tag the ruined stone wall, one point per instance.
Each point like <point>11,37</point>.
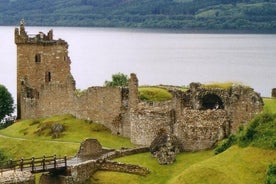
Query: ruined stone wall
<point>123,167</point>
<point>100,104</point>
<point>17,177</point>
<point>199,117</point>
<point>244,103</point>
<point>201,129</point>
<point>83,171</point>
<point>54,99</point>
<point>241,103</point>
<point>196,129</point>
<point>147,120</point>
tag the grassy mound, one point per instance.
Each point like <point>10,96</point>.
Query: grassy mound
<point>234,166</point>
<point>221,85</point>
<point>154,94</point>
<point>36,137</point>
<point>159,173</point>
<point>270,105</point>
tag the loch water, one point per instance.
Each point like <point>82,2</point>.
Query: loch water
<point>156,56</point>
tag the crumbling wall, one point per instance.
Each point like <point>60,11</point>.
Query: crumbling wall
<point>244,103</point>
<point>200,129</point>
<point>146,122</point>
<point>199,117</point>
<point>99,104</point>
<point>241,103</point>
<point>17,177</point>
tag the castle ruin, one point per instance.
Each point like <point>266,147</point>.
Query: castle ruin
<point>198,117</point>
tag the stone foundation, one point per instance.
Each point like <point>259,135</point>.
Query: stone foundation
<point>17,177</point>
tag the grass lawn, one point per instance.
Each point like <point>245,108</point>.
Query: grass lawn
<point>234,166</point>
<point>75,131</point>
<point>270,105</point>
<point>159,173</point>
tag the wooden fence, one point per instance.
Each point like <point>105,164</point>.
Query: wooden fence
<point>35,165</point>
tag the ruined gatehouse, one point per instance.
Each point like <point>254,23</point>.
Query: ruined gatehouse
<point>198,117</point>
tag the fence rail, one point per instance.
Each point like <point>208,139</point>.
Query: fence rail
<point>35,165</point>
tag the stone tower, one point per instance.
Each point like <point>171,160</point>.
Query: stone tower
<point>41,61</point>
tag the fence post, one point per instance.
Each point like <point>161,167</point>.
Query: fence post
<point>10,163</point>
<point>55,161</point>
<point>43,163</point>
<point>21,164</point>
<point>32,164</point>
<point>65,160</point>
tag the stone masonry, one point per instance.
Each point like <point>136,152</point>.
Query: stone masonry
<point>18,177</point>
<point>198,117</point>
<point>273,93</point>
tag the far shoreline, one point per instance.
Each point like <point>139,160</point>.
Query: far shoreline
<point>165,30</point>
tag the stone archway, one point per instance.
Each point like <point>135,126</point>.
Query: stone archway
<point>211,101</point>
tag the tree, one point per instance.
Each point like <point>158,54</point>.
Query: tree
<point>6,103</point>
<point>118,79</point>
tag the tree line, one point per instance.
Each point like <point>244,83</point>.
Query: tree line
<point>248,15</point>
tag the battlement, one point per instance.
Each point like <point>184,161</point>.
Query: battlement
<point>21,37</point>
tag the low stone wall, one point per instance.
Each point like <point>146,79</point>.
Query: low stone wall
<point>106,165</point>
<point>124,152</point>
<point>83,171</point>
<point>17,177</point>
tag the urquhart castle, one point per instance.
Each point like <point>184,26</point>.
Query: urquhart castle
<point>198,117</point>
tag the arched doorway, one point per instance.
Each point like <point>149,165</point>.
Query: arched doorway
<point>211,101</point>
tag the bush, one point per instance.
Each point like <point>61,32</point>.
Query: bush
<point>3,157</point>
<point>261,132</point>
<point>271,174</point>
<point>227,143</point>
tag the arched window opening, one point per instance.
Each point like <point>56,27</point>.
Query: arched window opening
<point>211,101</point>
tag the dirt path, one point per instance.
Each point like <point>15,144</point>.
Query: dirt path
<point>38,140</point>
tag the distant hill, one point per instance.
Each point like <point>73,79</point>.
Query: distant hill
<point>240,15</point>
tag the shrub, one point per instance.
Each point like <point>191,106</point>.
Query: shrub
<point>271,174</point>
<point>227,143</point>
<point>3,157</point>
<point>260,132</point>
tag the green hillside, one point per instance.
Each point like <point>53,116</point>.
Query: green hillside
<point>234,15</point>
